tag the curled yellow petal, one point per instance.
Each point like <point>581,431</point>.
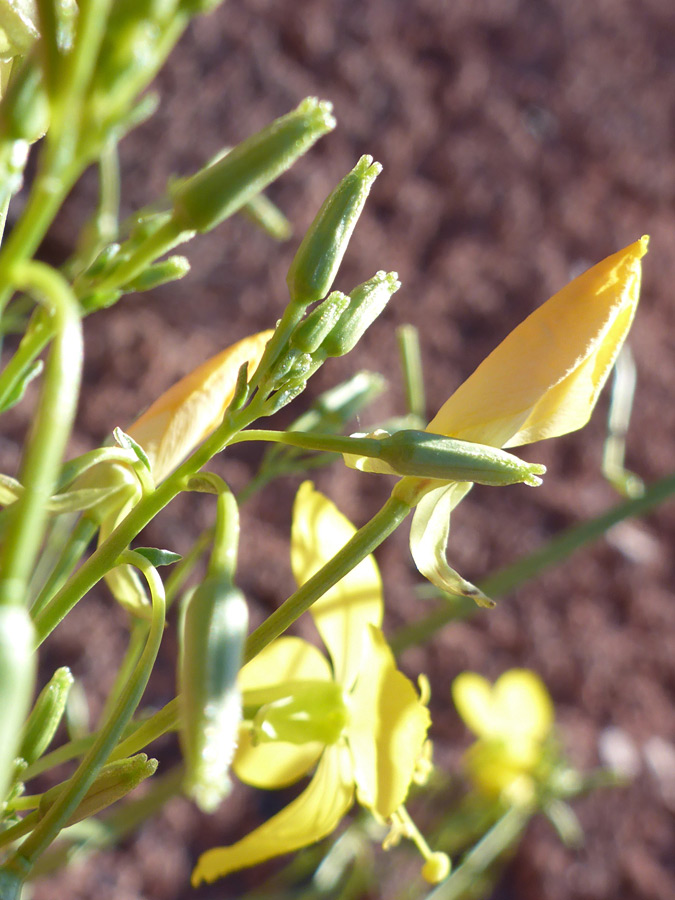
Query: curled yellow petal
<point>387,730</point>
<point>341,614</point>
<point>543,380</point>
<point>310,817</point>
<point>189,411</point>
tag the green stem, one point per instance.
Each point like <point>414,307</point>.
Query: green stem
<point>20,864</point>
<point>411,363</point>
<point>499,838</point>
<point>332,443</point>
<point>361,544</point>
<point>163,721</point>
<point>70,555</point>
<point>555,551</point>
<point>50,432</point>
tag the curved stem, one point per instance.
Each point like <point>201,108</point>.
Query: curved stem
<point>51,429</point>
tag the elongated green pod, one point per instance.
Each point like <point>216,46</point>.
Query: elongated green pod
<point>17,675</point>
<point>216,192</point>
<point>319,256</point>
<point>212,641</point>
<point>46,715</point>
<point>448,459</point>
<point>114,781</point>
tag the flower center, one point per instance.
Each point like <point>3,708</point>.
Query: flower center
<point>297,712</point>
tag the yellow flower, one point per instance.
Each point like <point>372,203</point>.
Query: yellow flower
<point>542,381</point>
<point>513,720</point>
<point>193,408</point>
<point>358,717</point>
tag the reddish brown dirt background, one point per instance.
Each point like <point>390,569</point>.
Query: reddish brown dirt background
<point>521,142</point>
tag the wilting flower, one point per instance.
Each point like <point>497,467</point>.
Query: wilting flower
<point>357,716</point>
<point>193,408</point>
<point>513,720</point>
<point>542,381</point>
<point>170,429</point>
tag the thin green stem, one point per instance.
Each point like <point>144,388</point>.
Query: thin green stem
<point>498,839</point>
<point>555,551</point>
<point>51,429</point>
<point>20,864</point>
<point>361,544</point>
<point>411,363</point>
<point>163,721</point>
<point>331,443</point>
<point>70,555</point>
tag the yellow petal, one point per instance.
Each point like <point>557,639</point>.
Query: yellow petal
<point>523,704</point>
<point>543,380</point>
<point>273,765</point>
<point>189,411</point>
<point>312,816</point>
<point>516,710</point>
<point>387,730</point>
<point>472,695</point>
<point>278,764</point>
<point>319,531</point>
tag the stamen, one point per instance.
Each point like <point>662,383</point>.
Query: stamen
<point>437,865</point>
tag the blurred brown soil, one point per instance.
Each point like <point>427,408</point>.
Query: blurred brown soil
<point>522,140</point>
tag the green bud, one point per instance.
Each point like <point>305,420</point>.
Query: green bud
<point>311,332</point>
<point>219,190</point>
<point>24,114</point>
<point>103,261</point>
<point>171,269</point>
<point>307,711</point>
<point>319,256</point>
<point>366,303</point>
<point>212,640</point>
<point>114,781</point>
<point>46,716</point>
<point>448,459</point>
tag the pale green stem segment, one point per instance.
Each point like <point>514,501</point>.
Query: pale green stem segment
<point>411,363</point>
<point>332,443</point>
<point>523,570</point>
<point>51,429</point>
<point>223,559</point>
<point>70,555</point>
<point>17,868</point>
<point>361,544</point>
<point>499,838</point>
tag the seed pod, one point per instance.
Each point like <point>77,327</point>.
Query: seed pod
<point>366,303</point>
<point>217,191</point>
<point>448,459</point>
<point>212,640</point>
<point>46,715</point>
<point>113,782</point>
<point>17,674</point>
<point>319,256</point>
